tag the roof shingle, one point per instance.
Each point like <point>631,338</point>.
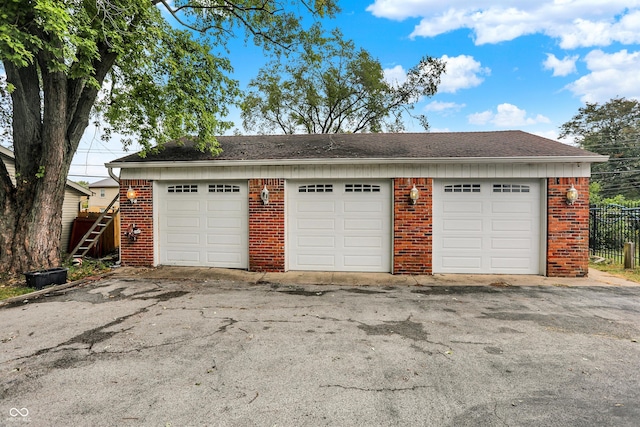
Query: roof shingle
<point>500,144</point>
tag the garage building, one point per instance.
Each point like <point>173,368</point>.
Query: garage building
<point>405,203</point>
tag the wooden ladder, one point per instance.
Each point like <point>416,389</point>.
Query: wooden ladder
<point>90,239</point>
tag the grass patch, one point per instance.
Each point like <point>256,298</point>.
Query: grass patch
<point>9,291</point>
<point>88,268</point>
<point>618,270</point>
<point>15,285</point>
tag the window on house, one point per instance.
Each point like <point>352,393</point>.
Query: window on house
<point>316,188</point>
<point>183,188</point>
<point>462,188</point>
<point>361,188</point>
<point>510,188</point>
<point>223,188</point>
<point>102,193</point>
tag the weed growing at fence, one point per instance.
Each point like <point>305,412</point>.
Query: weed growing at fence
<point>617,269</point>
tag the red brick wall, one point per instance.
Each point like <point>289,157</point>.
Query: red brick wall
<point>567,229</point>
<point>266,226</point>
<point>413,227</point>
<point>140,252</point>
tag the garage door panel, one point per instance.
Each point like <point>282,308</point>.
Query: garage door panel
<point>183,255</point>
<point>511,225</point>
<point>182,222</point>
<point>203,224</point>
<point>362,260</point>
<point>363,242</point>
<point>511,207</point>
<point>462,225</point>
<point>183,238</point>
<point>315,224</point>
<point>317,242</point>
<point>316,205</point>
<point>222,207</point>
<point>183,207</point>
<point>225,224</point>
<point>462,206</point>
<point>510,263</point>
<point>461,243</point>
<point>342,226</point>
<point>224,240</point>
<point>317,260</point>
<point>462,262</point>
<point>362,224</point>
<point>486,226</point>
<point>223,257</point>
<point>362,207</point>
<point>509,243</point>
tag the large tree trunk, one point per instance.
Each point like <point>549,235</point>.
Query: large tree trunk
<point>31,226</point>
<point>50,114</point>
<point>45,137</point>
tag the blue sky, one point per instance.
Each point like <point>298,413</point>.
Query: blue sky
<point>527,65</point>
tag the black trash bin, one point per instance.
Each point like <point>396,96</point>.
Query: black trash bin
<point>40,279</point>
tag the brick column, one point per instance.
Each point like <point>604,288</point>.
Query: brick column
<point>140,252</point>
<point>567,229</point>
<point>266,226</point>
<point>413,227</point>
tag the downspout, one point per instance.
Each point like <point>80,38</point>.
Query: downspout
<point>112,175</point>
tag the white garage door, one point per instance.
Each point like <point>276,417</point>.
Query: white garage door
<point>486,227</point>
<point>339,226</point>
<point>203,224</point>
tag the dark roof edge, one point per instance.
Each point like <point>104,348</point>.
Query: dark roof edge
<point>347,161</point>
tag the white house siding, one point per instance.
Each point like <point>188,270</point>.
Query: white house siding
<point>70,208</point>
<point>371,171</point>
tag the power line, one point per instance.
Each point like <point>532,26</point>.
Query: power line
<point>616,172</point>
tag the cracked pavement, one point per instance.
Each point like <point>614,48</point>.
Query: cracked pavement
<point>143,351</point>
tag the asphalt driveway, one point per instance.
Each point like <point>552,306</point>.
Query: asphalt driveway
<point>144,350</point>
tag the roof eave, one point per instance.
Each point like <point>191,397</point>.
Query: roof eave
<point>79,188</point>
<point>361,161</point>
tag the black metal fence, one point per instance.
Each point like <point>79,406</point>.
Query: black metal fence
<point>611,226</point>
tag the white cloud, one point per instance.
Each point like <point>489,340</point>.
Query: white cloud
<point>443,107</point>
<point>480,118</point>
<point>395,76</point>
<point>560,67</point>
<point>575,23</point>
<point>549,134</point>
<point>610,75</point>
<point>462,72</point>
<point>506,116</point>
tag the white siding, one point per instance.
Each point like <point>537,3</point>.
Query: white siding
<point>70,208</point>
<point>370,171</point>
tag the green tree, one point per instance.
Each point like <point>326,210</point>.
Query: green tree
<point>144,67</point>
<point>612,129</point>
<point>329,86</point>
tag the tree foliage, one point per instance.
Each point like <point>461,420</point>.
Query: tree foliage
<point>329,86</point>
<point>150,70</point>
<point>612,129</point>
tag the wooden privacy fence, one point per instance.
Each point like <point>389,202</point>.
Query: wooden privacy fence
<point>108,241</point>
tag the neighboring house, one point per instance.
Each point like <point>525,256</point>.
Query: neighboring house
<point>104,192</point>
<point>484,202</point>
<point>73,196</point>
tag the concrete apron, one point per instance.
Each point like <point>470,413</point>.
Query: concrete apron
<point>596,278</point>
<point>293,278</point>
